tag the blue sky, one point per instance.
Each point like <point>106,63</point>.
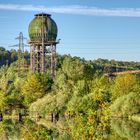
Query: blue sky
<point>91,29</point>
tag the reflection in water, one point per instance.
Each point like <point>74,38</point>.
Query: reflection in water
<point>25,130</point>
<point>122,129</point>
<point>126,128</point>
<point>9,130</point>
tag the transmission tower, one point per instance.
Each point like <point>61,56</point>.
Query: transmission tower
<point>20,46</point>
<point>21,50</point>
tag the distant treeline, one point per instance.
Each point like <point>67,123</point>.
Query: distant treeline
<point>9,56</point>
<point>105,65</point>
<point>115,66</point>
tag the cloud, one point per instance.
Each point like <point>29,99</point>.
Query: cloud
<point>75,9</point>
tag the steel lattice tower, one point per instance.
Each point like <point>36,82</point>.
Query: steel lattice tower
<point>20,46</point>
<point>21,50</point>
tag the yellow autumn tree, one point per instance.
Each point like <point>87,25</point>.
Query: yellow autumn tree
<point>124,84</point>
<point>2,100</point>
<point>32,89</point>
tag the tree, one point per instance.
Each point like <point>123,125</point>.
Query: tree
<point>80,100</point>
<point>45,81</point>
<point>2,100</point>
<point>123,85</point>
<point>32,89</point>
<point>126,105</point>
<point>73,68</point>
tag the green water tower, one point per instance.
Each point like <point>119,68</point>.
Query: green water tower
<point>43,34</point>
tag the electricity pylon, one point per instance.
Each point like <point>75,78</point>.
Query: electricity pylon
<point>20,46</point>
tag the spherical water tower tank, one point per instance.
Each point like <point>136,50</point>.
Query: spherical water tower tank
<point>42,26</point>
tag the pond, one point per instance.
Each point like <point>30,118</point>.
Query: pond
<point>12,129</point>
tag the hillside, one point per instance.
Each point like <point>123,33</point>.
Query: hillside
<point>79,91</point>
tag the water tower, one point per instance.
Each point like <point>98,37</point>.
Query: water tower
<point>43,33</point>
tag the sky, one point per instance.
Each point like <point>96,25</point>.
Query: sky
<point>90,29</point>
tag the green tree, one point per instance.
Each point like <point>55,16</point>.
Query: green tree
<point>73,68</point>
<point>126,105</point>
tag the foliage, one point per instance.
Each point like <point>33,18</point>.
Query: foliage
<point>32,89</point>
<point>24,130</point>
<point>126,105</point>
<point>2,100</point>
<point>79,91</point>
<point>73,68</point>
<point>9,56</point>
<point>31,131</point>
<point>126,128</point>
<point>123,85</point>
<point>81,100</point>
<point>45,81</point>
